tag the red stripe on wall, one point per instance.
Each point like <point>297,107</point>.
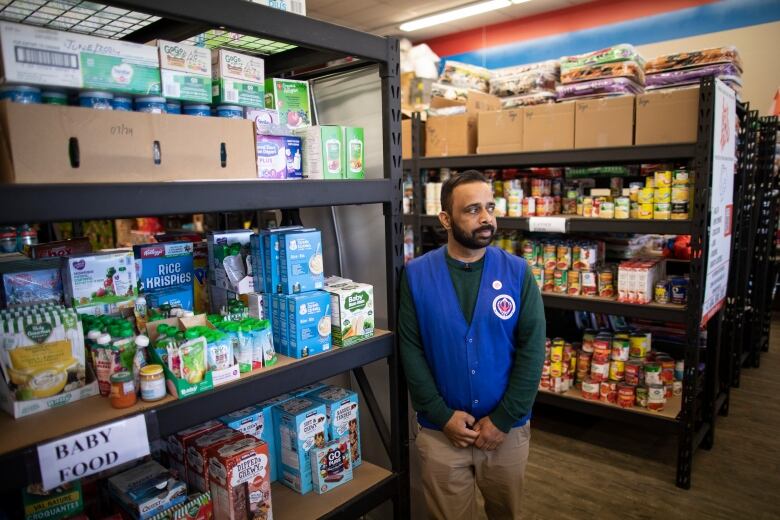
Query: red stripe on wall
<point>576,18</point>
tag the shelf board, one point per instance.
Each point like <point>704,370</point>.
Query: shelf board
<point>368,479</point>
<point>590,156</point>
<point>18,437</point>
<point>54,202</point>
<point>650,311</point>
<point>573,400</point>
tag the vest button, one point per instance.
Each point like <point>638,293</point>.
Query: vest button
<point>471,340</point>
<point>476,401</point>
<point>473,372</point>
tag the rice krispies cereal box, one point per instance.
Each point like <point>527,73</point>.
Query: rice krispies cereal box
<point>331,465</point>
<point>240,480</point>
<point>300,426</point>
<point>197,458</point>
<point>343,417</point>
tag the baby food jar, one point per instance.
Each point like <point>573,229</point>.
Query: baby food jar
<point>7,240</point>
<point>122,103</point>
<point>150,104</point>
<point>54,97</point>
<point>96,99</point>
<point>173,107</point>
<point>152,383</point>
<point>231,111</point>
<point>122,390</point>
<point>196,110</point>
<point>21,94</point>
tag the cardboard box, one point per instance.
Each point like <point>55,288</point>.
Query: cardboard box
<point>240,480</point>
<point>279,157</point>
<point>323,151</point>
<point>330,465</point>
<point>667,116</point>
<point>163,268</point>
<point>500,131</point>
<point>180,441</point>
<point>59,249</point>
<point>263,262</point>
<point>37,56</point>
<point>450,135</point>
<point>268,435</point>
<point>291,98</point>
<point>237,79</point>
<point>300,426</point>
<point>60,503</point>
<point>406,139</point>
<point>352,313</point>
<point>548,127</point>
<point>475,103</point>
<point>30,282</point>
<point>354,153</point>
<point>82,145</point>
<point>300,261</point>
<point>185,71</point>
<point>101,283</point>
<point>198,458</point>
<point>147,489</point>
<point>308,319</point>
<point>343,415</point>
<point>605,122</point>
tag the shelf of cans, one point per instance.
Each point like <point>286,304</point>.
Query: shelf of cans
<point>620,369</point>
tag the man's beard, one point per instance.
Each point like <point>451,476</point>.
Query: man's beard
<point>473,240</point>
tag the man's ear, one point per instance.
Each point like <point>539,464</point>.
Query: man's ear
<point>444,219</point>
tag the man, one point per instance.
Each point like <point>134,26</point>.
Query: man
<point>472,331</point>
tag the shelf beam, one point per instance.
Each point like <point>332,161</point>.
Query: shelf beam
<point>650,311</point>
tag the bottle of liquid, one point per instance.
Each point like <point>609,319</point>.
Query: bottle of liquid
<point>140,359</point>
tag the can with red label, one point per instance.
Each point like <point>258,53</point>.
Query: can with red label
<point>626,395</point>
<point>608,392</point>
<point>639,345</point>
<point>556,350</point>
<point>574,283</point>
<point>634,374</point>
<point>620,349</point>
<point>583,361</point>
<point>549,255</point>
<point>563,257</point>
<point>599,371</point>
<point>677,388</point>
<point>588,337</point>
<point>601,355</point>
<point>538,273</point>
<point>556,369</point>
<point>561,281</point>
<point>548,281</point>
<point>667,370</point>
<point>546,368</point>
<point>653,374</point>
<point>591,389</point>
<point>544,383</point>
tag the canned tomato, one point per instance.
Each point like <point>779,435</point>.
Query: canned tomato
<point>668,392</point>
<point>626,395</point>
<point>544,383</point>
<point>608,392</point>
<point>680,194</point>
<point>633,372</point>
<point>587,207</point>
<point>603,340</point>
<point>617,370</point>
<point>655,392</point>
<point>556,350</point>
<point>547,206</point>
<point>556,206</point>
<point>588,337</point>
<point>561,281</point>
<point>646,196</point>
<point>529,206</point>
<point>645,211</point>
<point>679,211</point>
<point>638,346</point>
<point>679,290</point>
<point>591,389</point>
<point>549,255</point>
<point>536,187</point>
<point>546,368</point>
<point>589,254</point>
<point>677,387</point>
<point>663,179</point>
<point>601,355</point>
<point>569,206</point>
<point>589,286</point>
<point>667,369</point>
<point>557,384</point>
<point>599,371</point>
<point>661,292</point>
<point>652,374</point>
<point>606,289</point>
<point>583,361</point>
<point>680,178</point>
<point>527,248</point>
<point>679,369</point>
<point>538,273</point>
<point>556,369</point>
<point>573,288</point>
<point>563,257</point>
<point>620,349</point>
<point>548,283</point>
<point>641,396</point>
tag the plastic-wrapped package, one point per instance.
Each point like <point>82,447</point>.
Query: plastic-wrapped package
<point>523,83</point>
<point>528,100</point>
<point>726,71</point>
<point>624,69</point>
<point>449,92</point>
<point>684,60</point>
<point>616,53</point>
<point>446,111</point>
<point>465,76</point>
<point>548,67</point>
<point>599,87</point>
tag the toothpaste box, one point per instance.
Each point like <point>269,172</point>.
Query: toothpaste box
<point>240,480</point>
<point>352,312</point>
<point>343,414</point>
<point>185,71</point>
<point>291,98</point>
<point>30,282</point>
<point>145,490</point>
<point>330,465</point>
<point>230,265</point>
<point>300,426</point>
<point>180,441</point>
<point>100,283</point>
<point>278,157</point>
<point>354,153</point>
<point>197,458</point>
<point>166,273</point>
<point>323,151</point>
<point>300,262</point>
<point>237,79</point>
<point>38,56</point>
<point>268,434</point>
<point>308,316</point>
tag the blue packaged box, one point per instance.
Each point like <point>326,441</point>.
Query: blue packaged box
<point>300,426</point>
<point>166,273</point>
<point>308,389</point>
<point>279,323</point>
<point>300,262</point>
<point>268,434</point>
<point>343,414</point>
<point>271,254</point>
<point>309,322</point>
<point>294,155</point>
<point>31,282</point>
<point>261,265</point>
<point>330,465</point>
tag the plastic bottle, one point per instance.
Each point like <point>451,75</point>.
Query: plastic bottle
<point>103,363</point>
<point>140,359</point>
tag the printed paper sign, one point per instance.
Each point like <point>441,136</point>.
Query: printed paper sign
<point>547,224</point>
<point>92,451</point>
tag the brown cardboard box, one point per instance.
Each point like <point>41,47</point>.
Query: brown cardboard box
<point>500,131</point>
<point>406,139</point>
<point>476,102</point>
<point>667,116</point>
<point>57,144</point>
<point>451,135</point>
<point>549,127</point>
<point>605,122</point>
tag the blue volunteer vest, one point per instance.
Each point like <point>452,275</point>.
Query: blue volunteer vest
<point>471,363</point>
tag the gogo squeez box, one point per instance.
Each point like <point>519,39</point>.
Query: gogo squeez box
<point>185,72</point>
<point>166,273</point>
<point>37,56</point>
<point>237,78</point>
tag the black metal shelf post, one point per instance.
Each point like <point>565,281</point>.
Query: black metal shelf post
<point>316,43</point>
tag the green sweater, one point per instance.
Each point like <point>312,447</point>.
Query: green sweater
<point>529,357</point>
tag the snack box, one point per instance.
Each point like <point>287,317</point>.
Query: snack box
<point>291,99</point>
<point>197,455</point>
<point>301,262</point>
<point>147,489</point>
<point>166,272</point>
<point>279,157</point>
<point>330,465</point>
<point>266,121</point>
<point>352,312</point>
<point>197,507</point>
<point>343,415</point>
<point>30,282</point>
<point>237,79</point>
<point>58,249</point>
<point>264,248</point>
<point>309,322</point>
<point>229,262</point>
<point>300,426</point>
<point>268,434</point>
<point>179,442</point>
<point>61,502</point>
<point>185,71</point>
<point>100,283</point>
<point>309,389</point>
<point>240,480</point>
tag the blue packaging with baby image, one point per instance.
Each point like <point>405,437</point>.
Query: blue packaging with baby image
<point>300,262</point>
<point>308,322</point>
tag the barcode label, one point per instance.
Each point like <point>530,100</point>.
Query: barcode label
<point>48,58</point>
<point>296,7</point>
<point>231,95</point>
<point>172,90</point>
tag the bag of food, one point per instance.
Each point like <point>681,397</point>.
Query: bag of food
<point>616,53</point>
<point>621,69</point>
<point>685,60</point>
<point>465,76</point>
<point>599,87</point>
<point>537,98</point>
<point>727,72</point>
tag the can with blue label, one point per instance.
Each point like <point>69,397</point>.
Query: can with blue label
<point>196,110</point>
<point>230,111</point>
<point>21,94</point>
<point>150,104</point>
<point>173,107</point>
<point>97,99</point>
<point>122,103</point>
<point>678,290</point>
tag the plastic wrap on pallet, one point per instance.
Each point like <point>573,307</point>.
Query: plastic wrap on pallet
<point>616,53</point>
<point>600,88</point>
<point>549,66</point>
<point>538,98</point>
<point>465,76</point>
<point>523,83</point>
<point>727,72</point>
<point>685,60</point>
<point>622,69</point>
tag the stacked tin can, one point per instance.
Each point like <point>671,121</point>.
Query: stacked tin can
<point>664,196</point>
<point>560,363</point>
<point>565,266</point>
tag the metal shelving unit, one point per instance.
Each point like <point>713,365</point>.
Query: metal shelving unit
<point>306,44</point>
<point>703,393</point>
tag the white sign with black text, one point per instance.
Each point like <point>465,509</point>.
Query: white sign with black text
<point>547,224</point>
<point>92,451</point>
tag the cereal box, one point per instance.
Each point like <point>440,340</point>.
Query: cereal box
<point>185,71</point>
<point>309,322</point>
<point>237,79</point>
<point>330,465</point>
<point>268,434</point>
<point>301,262</point>
<point>100,283</point>
<point>240,480</point>
<point>300,426</point>
<point>147,489</point>
<point>343,414</point>
<point>30,282</point>
<point>180,441</point>
<point>291,98</point>
<point>352,312</point>
<point>197,459</point>
<point>166,273</point>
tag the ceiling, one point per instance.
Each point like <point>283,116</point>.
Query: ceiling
<point>384,16</point>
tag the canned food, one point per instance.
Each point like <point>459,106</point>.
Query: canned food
<point>608,392</point>
<point>667,369</point>
<point>546,368</point>
<point>549,255</point>
<point>652,374</point>
<point>591,389</point>
<point>588,257</point>
<point>538,273</point>
<point>662,211</point>
<point>617,370</point>
<point>588,338</point>
<point>650,181</point>
<point>677,388</point>
<point>603,340</point>
<point>579,206</point>
<point>645,211</point>
<point>679,290</point>
<point>589,286</point>
<point>529,206</point>
<point>679,370</point>
<point>626,395</point>
<point>646,196</point>
<point>556,206</point>
<point>527,248</point>
<point>596,212</point>
<point>600,355</point>
<point>561,281</point>
<point>620,349</point>
<point>583,361</point>
<point>641,396</point>
<point>680,194</point>
<point>655,392</point>
<point>638,346</point>
<point>536,187</point>
<point>633,372</point>
<point>556,351</point>
<point>587,207</point>
<point>563,257</point>
<point>556,369</point>
<point>663,179</point>
<point>607,210</point>
<point>606,289</point>
<point>661,292</point>
<point>623,202</point>
<point>633,191</point>
<point>544,383</point>
<point>680,178</point>
<point>569,206</point>
<point>546,207</point>
<point>634,211</point>
<point>680,210</point>
<point>573,287</point>
<point>548,282</point>
<point>558,384</point>
<point>599,371</point>
<point>668,392</point>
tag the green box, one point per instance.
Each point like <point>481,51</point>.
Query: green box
<point>237,79</point>
<point>185,71</point>
<point>354,153</point>
<point>291,98</point>
<point>62,502</point>
<point>323,151</point>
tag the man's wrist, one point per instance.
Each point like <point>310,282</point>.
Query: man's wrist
<point>502,419</point>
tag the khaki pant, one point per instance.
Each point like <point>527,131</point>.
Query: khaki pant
<point>452,475</point>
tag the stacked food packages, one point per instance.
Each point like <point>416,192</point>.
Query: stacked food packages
<point>612,71</point>
<point>465,76</point>
<point>687,68</point>
<point>524,85</point>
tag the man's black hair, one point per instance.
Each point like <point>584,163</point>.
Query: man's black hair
<point>454,181</point>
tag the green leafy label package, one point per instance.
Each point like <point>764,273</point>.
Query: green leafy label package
<point>291,99</point>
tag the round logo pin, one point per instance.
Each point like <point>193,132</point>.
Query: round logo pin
<point>504,306</point>
<point>497,285</point>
